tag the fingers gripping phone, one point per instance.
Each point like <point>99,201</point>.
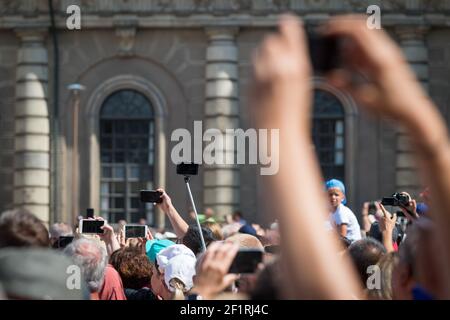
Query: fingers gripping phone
<point>246,261</point>
<point>92,226</point>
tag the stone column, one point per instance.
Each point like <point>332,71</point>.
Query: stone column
<point>221,182</point>
<point>32,125</point>
<point>412,41</point>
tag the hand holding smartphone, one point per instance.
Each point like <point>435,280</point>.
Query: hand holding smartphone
<point>246,261</point>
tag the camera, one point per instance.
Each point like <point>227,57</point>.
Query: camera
<point>324,52</point>
<point>151,196</point>
<point>398,199</point>
<point>187,169</point>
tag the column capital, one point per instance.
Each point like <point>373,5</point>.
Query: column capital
<point>405,33</point>
<point>221,33</point>
<point>29,34</point>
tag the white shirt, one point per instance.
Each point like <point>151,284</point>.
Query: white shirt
<point>343,215</point>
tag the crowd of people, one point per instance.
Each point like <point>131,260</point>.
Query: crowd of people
<point>315,249</point>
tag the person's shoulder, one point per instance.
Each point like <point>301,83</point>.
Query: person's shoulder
<point>343,209</point>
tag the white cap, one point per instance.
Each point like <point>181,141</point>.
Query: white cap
<point>177,261</point>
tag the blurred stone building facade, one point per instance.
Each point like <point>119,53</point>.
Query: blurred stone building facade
<point>152,66</point>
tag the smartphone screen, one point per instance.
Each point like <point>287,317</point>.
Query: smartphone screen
<point>135,231</point>
<point>246,261</point>
<point>91,226</point>
<point>150,196</point>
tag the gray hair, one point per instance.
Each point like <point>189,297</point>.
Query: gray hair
<point>91,257</point>
<point>60,229</point>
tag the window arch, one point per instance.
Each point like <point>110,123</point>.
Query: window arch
<point>127,140</point>
<point>329,134</point>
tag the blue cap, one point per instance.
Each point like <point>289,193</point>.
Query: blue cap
<point>248,229</point>
<point>335,183</point>
<point>422,208</point>
<point>153,247</point>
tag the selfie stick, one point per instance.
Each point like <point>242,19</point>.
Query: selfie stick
<point>186,179</point>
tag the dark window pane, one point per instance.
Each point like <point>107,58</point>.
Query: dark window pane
<point>119,172</point>
<point>119,187</point>
<point>134,172</point>
<point>106,157</point>
<point>137,186</point>
<point>127,130</point>
<point>106,143</point>
<point>120,143</point>
<point>146,174</point>
<point>119,203</point>
<point>106,172</point>
<point>133,143</point>
<point>119,157</point>
<point>128,104</point>
<point>328,134</point>
<point>135,203</point>
<point>106,127</point>
<point>119,127</point>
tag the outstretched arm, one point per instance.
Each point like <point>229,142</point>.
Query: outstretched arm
<point>282,99</point>
<point>393,91</point>
<point>179,225</point>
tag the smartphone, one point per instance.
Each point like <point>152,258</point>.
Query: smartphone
<point>187,169</point>
<point>246,261</point>
<point>324,52</point>
<point>151,196</point>
<point>89,213</point>
<point>135,231</point>
<point>91,226</point>
<point>63,242</point>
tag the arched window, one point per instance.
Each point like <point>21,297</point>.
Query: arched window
<point>329,134</point>
<point>127,156</point>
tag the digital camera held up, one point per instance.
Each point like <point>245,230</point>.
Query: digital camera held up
<point>398,199</point>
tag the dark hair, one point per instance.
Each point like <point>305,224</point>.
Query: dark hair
<point>21,228</point>
<point>364,253</point>
<point>133,266</point>
<point>237,214</point>
<point>267,283</point>
<point>193,241</point>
